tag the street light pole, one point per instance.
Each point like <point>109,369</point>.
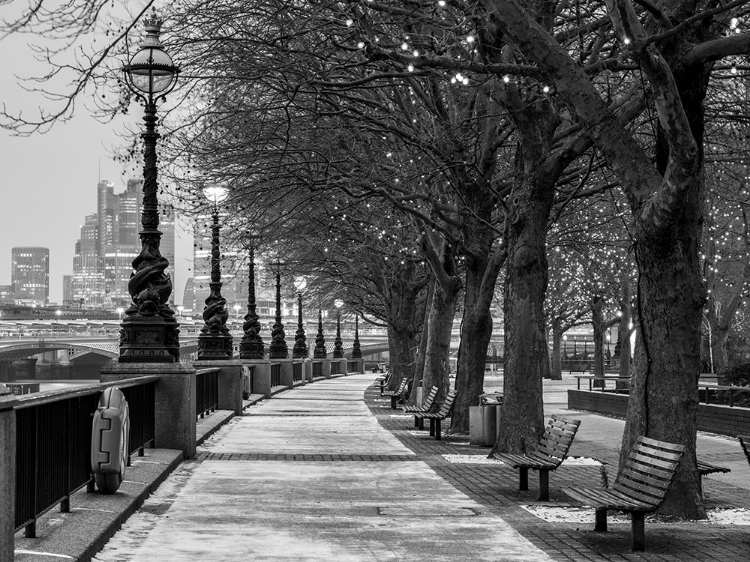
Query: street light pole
<point>149,332</point>
<point>278,348</point>
<point>356,348</point>
<point>251,346</point>
<point>299,351</point>
<point>215,341</point>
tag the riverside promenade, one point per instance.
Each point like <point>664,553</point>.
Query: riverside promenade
<point>328,471</point>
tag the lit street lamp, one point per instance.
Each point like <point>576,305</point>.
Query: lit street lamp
<point>215,341</point>
<point>338,346</point>
<point>149,332</point>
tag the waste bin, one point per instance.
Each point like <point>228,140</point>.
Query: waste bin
<point>483,420</point>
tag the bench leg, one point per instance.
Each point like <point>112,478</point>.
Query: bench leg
<point>437,429</point>
<point>432,427</point>
<point>393,402</point>
<point>638,528</point>
<point>421,423</point>
<point>416,421</point>
<point>523,478</point>
<point>543,485</point>
<point>600,520</point>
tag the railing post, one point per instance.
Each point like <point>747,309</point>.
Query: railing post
<point>8,471</point>
<point>174,416</point>
<point>230,382</point>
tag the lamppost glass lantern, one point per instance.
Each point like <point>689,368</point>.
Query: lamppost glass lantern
<point>151,71</point>
<point>149,332</point>
<point>338,346</point>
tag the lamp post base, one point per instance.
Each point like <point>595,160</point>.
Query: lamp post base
<point>214,347</point>
<point>149,339</point>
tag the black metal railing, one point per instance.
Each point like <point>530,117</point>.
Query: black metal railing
<point>53,444</point>
<point>335,368</point>
<point>206,391</point>
<point>352,366</point>
<point>275,374</point>
<point>317,369</point>
<point>297,371</point>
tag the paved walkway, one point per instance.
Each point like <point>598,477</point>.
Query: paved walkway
<point>318,473</point>
<point>312,475</point>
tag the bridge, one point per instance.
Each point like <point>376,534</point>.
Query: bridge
<point>82,355</point>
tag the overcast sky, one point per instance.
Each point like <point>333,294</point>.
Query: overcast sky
<point>49,181</point>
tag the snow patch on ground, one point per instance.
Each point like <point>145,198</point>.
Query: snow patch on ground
<point>470,459</point>
<point>571,514</point>
<point>581,461</point>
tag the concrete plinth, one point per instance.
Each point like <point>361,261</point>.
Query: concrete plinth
<point>175,401</point>
<point>230,382</point>
<point>261,376</point>
<point>307,375</point>
<point>8,472</point>
<point>287,374</point>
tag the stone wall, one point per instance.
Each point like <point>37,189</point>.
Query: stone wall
<point>724,420</point>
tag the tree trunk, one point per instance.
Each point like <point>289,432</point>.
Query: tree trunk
<point>437,354</point>
<point>556,369</point>
<point>623,333</point>
<point>526,354</point>
<point>401,347</point>
<point>422,347</point>
<point>597,323</point>
<point>476,329</point>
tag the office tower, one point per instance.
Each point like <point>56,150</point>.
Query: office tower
<point>68,299</point>
<point>6,294</point>
<point>110,242</point>
<point>30,275</point>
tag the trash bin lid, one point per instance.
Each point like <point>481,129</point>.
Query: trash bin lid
<point>491,398</point>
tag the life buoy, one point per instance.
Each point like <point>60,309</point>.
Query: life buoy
<point>110,435</point>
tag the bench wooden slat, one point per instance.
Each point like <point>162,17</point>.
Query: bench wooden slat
<point>707,468</point>
<point>645,479</point>
<point>650,462</point>
<point>654,443</point>
<point>604,498</point>
<point>660,454</point>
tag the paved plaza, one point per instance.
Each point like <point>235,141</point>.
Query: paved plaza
<point>329,471</point>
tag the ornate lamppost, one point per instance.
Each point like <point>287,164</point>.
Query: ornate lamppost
<point>149,332</point>
<point>215,341</point>
<point>356,349</point>
<point>320,343</point>
<point>338,346</point>
<point>278,348</point>
<point>251,346</point>
<point>299,351</point>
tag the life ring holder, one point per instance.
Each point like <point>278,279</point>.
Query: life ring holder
<point>110,435</point>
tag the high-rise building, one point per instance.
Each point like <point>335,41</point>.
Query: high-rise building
<point>30,275</point>
<point>110,242</point>
<point>105,212</point>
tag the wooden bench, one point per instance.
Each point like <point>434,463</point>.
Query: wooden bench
<point>550,452</point>
<point>396,394</point>
<point>383,381</point>
<point>638,489</point>
<point>425,407</point>
<point>437,417</point>
<point>707,468</point>
<point>745,444</point>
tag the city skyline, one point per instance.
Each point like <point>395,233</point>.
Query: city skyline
<point>49,180</point>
